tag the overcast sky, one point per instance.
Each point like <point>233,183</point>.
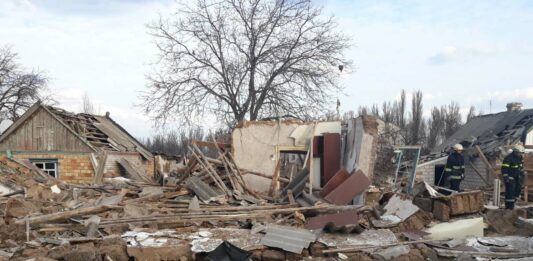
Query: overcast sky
<point>472,52</point>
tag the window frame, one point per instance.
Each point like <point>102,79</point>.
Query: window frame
<point>44,168</point>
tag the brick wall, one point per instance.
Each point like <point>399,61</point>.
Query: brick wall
<point>426,172</point>
<point>112,168</point>
<point>73,167</point>
<point>472,179</point>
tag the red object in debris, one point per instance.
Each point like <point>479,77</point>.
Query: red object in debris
<point>345,192</point>
<point>334,182</point>
<point>337,220</point>
<point>331,156</point>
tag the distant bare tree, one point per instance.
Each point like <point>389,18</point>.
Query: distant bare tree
<point>88,106</point>
<point>436,126</point>
<point>245,59</point>
<point>387,112</point>
<point>19,89</point>
<point>471,113</point>
<point>416,124</point>
<point>399,109</point>
<point>452,118</point>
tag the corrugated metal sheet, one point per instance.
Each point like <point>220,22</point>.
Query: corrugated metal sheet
<point>202,190</point>
<point>288,238</point>
<point>344,193</point>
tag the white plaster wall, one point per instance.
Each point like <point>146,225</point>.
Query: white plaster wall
<point>254,149</point>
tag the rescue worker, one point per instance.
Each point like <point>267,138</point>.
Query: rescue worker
<point>513,172</point>
<point>455,167</point>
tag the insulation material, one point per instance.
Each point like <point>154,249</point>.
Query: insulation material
<point>458,229</point>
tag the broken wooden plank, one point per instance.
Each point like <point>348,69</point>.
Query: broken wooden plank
<point>275,177</point>
<point>132,172</point>
<point>99,175</point>
<point>62,215</point>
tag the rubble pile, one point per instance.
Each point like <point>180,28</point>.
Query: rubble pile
<point>209,213</point>
<point>281,191</point>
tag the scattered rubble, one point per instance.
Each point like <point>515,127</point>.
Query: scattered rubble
<point>209,209</point>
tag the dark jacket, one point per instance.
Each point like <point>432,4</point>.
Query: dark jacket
<point>513,167</point>
<point>455,166</point>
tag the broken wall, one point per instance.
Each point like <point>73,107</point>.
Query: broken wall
<point>361,145</point>
<point>255,148</point>
<point>165,165</point>
<point>426,172</point>
<point>72,167</point>
<point>112,168</point>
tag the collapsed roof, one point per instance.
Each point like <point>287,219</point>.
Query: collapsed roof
<point>98,132</point>
<point>492,131</point>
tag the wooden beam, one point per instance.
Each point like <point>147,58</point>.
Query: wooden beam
<point>486,161</point>
<point>210,144</point>
<point>62,215</point>
<point>275,178</point>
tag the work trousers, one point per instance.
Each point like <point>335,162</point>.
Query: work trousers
<point>455,184</point>
<point>511,191</point>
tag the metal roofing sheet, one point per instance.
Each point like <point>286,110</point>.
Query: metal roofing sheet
<point>345,192</point>
<point>288,238</point>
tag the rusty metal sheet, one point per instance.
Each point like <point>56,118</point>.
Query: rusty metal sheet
<point>335,181</point>
<point>336,221</point>
<point>344,193</point>
<point>331,157</point>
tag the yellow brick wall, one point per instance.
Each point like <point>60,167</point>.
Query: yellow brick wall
<point>112,167</point>
<point>73,168</point>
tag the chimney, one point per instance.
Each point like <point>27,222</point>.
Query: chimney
<point>514,106</point>
<point>107,113</point>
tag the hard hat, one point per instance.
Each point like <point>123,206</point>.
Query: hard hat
<point>458,147</point>
<point>519,148</point>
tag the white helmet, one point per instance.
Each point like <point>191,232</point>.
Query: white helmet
<point>519,148</point>
<point>458,147</point>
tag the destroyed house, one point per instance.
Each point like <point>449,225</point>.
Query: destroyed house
<point>272,154</point>
<point>75,148</point>
<point>492,135</point>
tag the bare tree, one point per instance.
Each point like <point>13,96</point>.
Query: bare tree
<point>19,89</point>
<point>471,113</point>
<point>416,124</point>
<point>399,110</point>
<point>88,106</point>
<point>452,119</point>
<point>245,59</point>
<point>436,126</point>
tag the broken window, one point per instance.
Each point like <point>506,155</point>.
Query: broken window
<point>291,163</point>
<point>48,166</point>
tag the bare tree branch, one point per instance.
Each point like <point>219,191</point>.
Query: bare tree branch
<point>19,89</point>
<point>244,59</point>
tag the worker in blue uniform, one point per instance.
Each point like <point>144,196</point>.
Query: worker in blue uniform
<point>513,175</point>
<point>455,167</point>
